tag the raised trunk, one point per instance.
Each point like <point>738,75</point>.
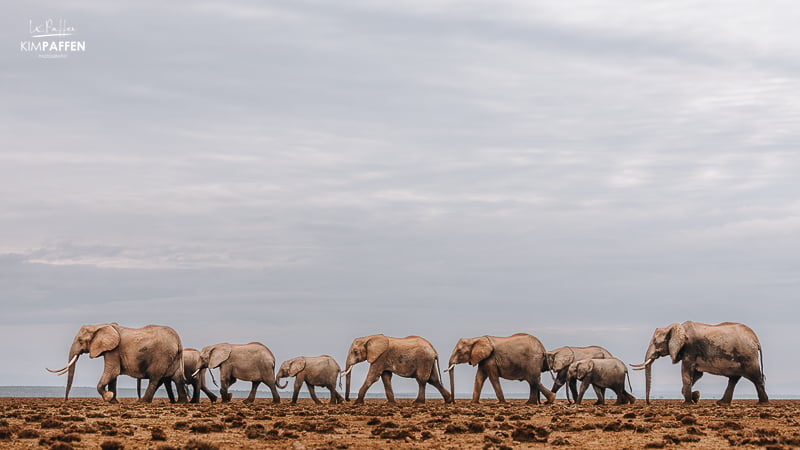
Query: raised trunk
<point>647,378</point>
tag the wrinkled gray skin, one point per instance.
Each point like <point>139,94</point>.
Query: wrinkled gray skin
<point>728,349</point>
<point>518,357</point>
<point>313,371</point>
<point>191,362</point>
<point>152,352</point>
<point>559,360</point>
<point>410,357</point>
<point>602,374</point>
<point>252,362</point>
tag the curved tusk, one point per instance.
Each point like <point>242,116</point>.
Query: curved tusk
<point>649,360</point>
<point>346,372</point>
<point>194,374</point>
<point>65,368</point>
<point>449,368</point>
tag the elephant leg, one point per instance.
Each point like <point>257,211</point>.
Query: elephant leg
<point>168,387</point>
<point>253,388</point>
<point>420,392</point>
<point>549,395</point>
<point>335,396</point>
<point>573,387</point>
<point>622,397</point>
<point>150,392</point>
<point>312,393</point>
<point>480,378</point>
<point>728,395</point>
<point>601,397</point>
<point>448,397</point>
<point>688,379</point>
<point>110,373</point>
<point>208,392</point>
<point>584,385</point>
<point>372,376</point>
<point>298,383</point>
<point>112,387</point>
<point>599,392</point>
<point>180,386</point>
<point>195,391</point>
<point>386,378</point>
<point>758,381</point>
<point>498,390</point>
<point>224,382</point>
<point>533,397</point>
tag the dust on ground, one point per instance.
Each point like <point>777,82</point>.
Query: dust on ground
<point>91,423</point>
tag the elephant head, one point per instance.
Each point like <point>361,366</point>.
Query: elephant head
<point>368,348</point>
<point>214,355</point>
<point>557,361</point>
<point>665,341</point>
<point>94,340</point>
<point>580,369</point>
<point>471,350</point>
<point>289,368</point>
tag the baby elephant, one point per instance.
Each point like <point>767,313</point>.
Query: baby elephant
<point>601,374</point>
<point>313,371</point>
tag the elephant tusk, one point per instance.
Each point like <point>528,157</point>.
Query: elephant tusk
<point>346,372</point>
<point>194,374</point>
<point>449,368</point>
<point>642,365</point>
<point>65,368</point>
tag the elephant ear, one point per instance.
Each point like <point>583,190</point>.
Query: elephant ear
<point>584,368</point>
<point>562,359</point>
<point>481,350</point>
<point>219,354</point>
<point>376,345</point>
<point>677,339</point>
<point>296,366</point>
<point>105,339</point>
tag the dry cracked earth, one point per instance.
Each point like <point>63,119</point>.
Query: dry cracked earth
<point>90,423</point>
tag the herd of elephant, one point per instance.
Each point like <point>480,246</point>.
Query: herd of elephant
<point>155,353</point>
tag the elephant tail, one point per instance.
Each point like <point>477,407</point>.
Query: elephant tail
<point>761,361</point>
<point>628,376</point>
<point>212,377</point>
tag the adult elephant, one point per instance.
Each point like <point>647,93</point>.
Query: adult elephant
<point>518,357</point>
<point>152,352</point>
<point>559,360</point>
<point>728,349</point>
<point>410,357</point>
<point>252,362</point>
<point>191,363</point>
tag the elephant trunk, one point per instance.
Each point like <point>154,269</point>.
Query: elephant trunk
<point>347,386</point>
<point>278,383</point>
<point>74,353</point>
<point>647,378</point>
<point>453,382</point>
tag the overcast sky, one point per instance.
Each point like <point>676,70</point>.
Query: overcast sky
<point>303,173</point>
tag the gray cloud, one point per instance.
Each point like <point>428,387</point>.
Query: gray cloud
<point>293,170</point>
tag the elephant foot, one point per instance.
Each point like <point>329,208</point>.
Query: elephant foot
<point>598,403</point>
<point>763,402</point>
<point>532,402</point>
<point>723,402</point>
<point>276,401</point>
<point>419,402</point>
<point>359,401</point>
<point>551,399</point>
<point>108,396</point>
<point>247,400</point>
<point>696,396</point>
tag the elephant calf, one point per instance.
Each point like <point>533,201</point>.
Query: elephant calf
<point>313,371</point>
<point>252,362</point>
<point>601,374</point>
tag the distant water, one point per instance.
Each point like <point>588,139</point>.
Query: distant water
<point>263,392</point>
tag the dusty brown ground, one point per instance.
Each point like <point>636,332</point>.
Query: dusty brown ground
<point>90,423</point>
